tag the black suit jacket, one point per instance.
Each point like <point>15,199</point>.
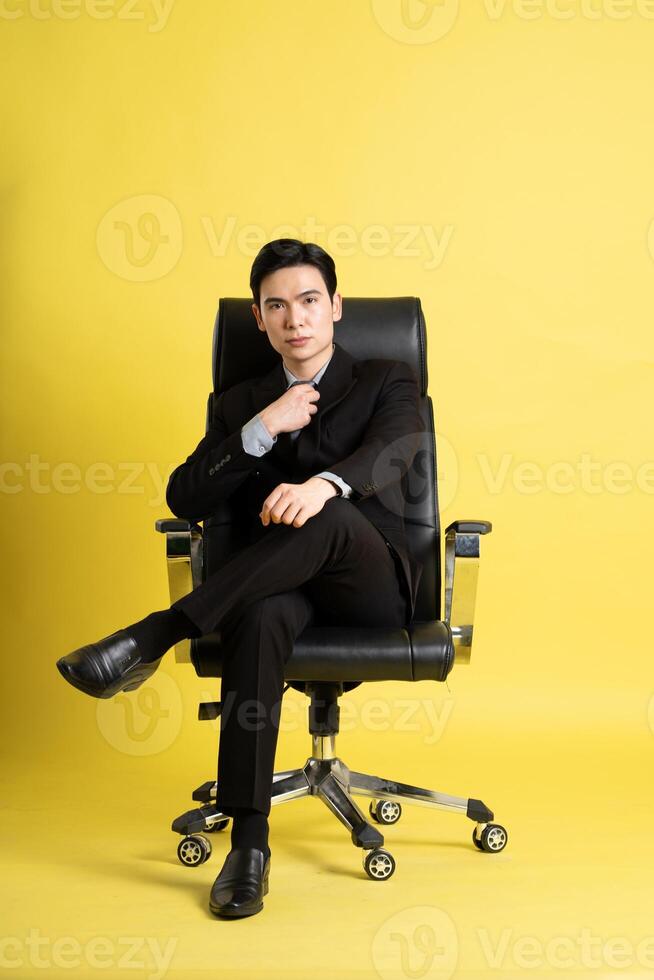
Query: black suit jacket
<point>367,430</point>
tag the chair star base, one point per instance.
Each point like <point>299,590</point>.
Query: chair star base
<point>326,776</point>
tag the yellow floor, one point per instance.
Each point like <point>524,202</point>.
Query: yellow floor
<point>93,887</point>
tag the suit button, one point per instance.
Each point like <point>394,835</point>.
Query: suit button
<point>211,471</point>
<point>227,458</point>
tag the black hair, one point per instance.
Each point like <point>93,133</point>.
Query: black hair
<point>284,252</point>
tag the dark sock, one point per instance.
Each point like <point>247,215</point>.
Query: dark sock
<point>250,829</point>
<point>161,630</point>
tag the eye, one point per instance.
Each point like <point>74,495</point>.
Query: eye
<point>312,299</point>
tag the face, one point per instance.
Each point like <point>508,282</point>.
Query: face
<point>294,302</point>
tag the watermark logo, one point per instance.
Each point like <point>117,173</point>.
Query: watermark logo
<point>140,238</point>
<point>419,497</point>
<point>416,21</point>
<point>418,943</point>
<point>145,721</point>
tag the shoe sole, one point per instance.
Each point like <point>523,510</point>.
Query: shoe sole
<point>235,914</point>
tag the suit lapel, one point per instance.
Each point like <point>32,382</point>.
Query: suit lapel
<point>339,378</point>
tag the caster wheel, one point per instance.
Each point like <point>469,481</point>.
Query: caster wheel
<point>218,825</point>
<point>194,850</point>
<point>493,838</point>
<point>378,863</point>
<point>385,811</point>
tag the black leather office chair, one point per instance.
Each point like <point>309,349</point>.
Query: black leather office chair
<point>329,661</point>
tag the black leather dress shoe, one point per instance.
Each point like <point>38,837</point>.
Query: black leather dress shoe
<point>104,668</point>
<point>239,888</point>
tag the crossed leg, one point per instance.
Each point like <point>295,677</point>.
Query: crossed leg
<point>334,570</point>
<point>338,550</point>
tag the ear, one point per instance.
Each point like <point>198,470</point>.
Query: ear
<point>257,316</point>
<point>337,307</point>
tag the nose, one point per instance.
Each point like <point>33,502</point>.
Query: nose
<point>295,316</point>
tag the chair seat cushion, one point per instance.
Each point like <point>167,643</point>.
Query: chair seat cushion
<point>422,651</point>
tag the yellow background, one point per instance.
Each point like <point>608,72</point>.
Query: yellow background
<point>521,138</point>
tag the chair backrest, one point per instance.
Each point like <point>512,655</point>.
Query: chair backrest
<point>391,328</point>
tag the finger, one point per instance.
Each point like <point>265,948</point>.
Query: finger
<point>283,512</point>
<point>285,508</point>
<point>268,504</point>
<point>291,512</point>
<point>301,517</point>
<point>277,511</point>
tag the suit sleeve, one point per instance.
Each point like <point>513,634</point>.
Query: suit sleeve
<point>391,439</point>
<point>212,473</point>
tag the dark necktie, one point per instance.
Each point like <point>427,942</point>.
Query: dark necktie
<point>295,434</point>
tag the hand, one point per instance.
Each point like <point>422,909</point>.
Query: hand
<point>292,410</point>
<point>295,503</point>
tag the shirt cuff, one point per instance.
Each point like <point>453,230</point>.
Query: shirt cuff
<point>345,487</point>
<point>256,438</point>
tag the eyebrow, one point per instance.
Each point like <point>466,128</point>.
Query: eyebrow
<point>278,299</point>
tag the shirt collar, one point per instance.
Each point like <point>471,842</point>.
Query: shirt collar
<point>290,377</point>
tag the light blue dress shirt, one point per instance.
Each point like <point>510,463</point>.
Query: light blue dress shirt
<point>257,440</point>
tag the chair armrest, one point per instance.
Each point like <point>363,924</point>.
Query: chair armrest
<point>461,574</point>
<point>184,563</point>
<point>166,524</point>
<point>471,527</point>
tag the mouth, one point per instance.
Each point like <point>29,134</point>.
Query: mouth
<point>298,340</point>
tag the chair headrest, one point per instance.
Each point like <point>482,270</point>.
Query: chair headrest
<point>388,327</point>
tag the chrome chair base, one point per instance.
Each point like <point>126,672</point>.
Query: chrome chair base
<point>326,776</point>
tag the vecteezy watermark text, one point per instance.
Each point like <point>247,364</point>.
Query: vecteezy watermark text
<point>426,21</point>
<point>145,953</point>
<point>565,952</point>
<point>408,240</point>
<point>424,941</point>
<point>154,12</point>
<point>141,238</point>
<point>42,477</point>
<point>504,474</point>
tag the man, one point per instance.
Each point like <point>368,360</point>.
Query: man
<point>313,452</point>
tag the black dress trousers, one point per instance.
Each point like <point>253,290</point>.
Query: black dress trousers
<point>335,570</point>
